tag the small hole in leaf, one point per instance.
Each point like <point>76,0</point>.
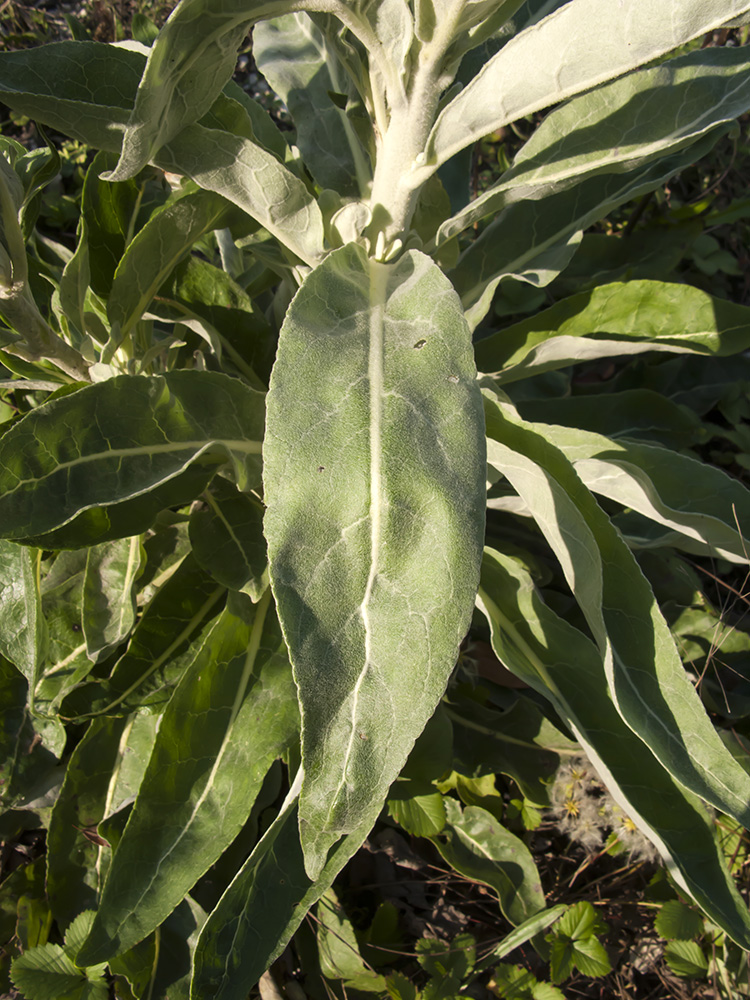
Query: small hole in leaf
<point>321,468</point>
<point>419,345</point>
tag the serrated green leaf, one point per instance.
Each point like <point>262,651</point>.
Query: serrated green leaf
<point>372,485</point>
<point>420,812</point>
<point>676,921</point>
<point>47,973</point>
<point>621,318</point>
<point>554,60</point>
<point>686,959</point>
<point>227,538</point>
<point>109,599</point>
<point>118,446</point>
<point>442,958</point>
<point>203,775</point>
<point>645,675</point>
<point>263,906</point>
<point>564,666</point>
<point>103,772</point>
<point>478,846</point>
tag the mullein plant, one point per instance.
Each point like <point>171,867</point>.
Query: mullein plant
<point>244,521</point>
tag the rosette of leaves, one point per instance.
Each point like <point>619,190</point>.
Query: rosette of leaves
<point>256,367</point>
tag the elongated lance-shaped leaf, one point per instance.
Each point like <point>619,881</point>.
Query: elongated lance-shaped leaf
<point>476,844</point>
<point>374,481</point>
<point>264,905</point>
<point>623,125</point>
<point>526,231</point>
<point>87,89</point>
<point>648,684</point>
<point>189,65</point>
<point>560,663</point>
<point>157,248</point>
<point>620,318</point>
<point>160,649</point>
<point>555,59</point>
<point>294,55</point>
<point>117,441</point>
<point>233,713</point>
<point>697,500</point>
<point>103,772</point>
<point>23,633</point>
<point>108,612</point>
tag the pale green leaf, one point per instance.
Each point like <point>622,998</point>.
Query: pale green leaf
<point>372,461</point>
<point>531,235</point>
<point>647,680</point>
<point>555,59</point>
<point>47,973</point>
<point>262,908</point>
<point>111,454</point>
<point>102,774</point>
<point>294,55</point>
<point>564,666</point>
<point>227,538</point>
<point>478,846</point>
<point>620,127</point>
<point>620,318</point>
<point>109,599</point>
<point>231,716</point>
<point>692,498</point>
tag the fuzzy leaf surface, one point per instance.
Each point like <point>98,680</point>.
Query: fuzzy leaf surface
<point>374,519</point>
<point>564,666</point>
<point>647,680</point>
<point>233,713</point>
<point>629,317</point>
<point>553,60</point>
<point>23,631</point>
<point>119,445</point>
<point>623,125</point>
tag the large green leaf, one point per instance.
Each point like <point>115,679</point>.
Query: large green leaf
<point>694,499</point>
<point>618,127</point>
<point>295,57</point>
<point>560,663</point>
<point>524,235</point>
<point>477,845</point>
<point>86,90</point>
<point>374,480</point>
<point>262,908</point>
<point>233,713</point>
<point>557,58</point>
<point>629,317</point>
<point>102,774</point>
<point>113,452</point>
<point>648,684</point>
